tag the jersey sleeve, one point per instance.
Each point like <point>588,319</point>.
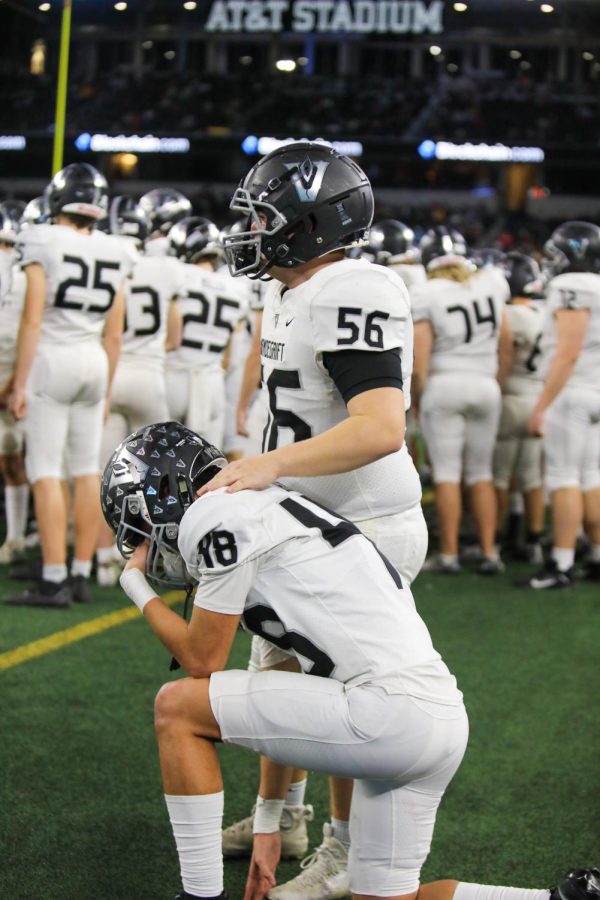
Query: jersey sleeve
<point>565,294</point>
<point>420,302</point>
<point>220,542</point>
<point>33,245</point>
<point>360,310</point>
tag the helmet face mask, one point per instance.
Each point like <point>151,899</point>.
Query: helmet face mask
<point>147,486</point>
<point>299,202</point>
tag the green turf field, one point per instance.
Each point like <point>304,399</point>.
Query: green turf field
<point>81,809</point>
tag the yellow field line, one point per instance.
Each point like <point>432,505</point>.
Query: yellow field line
<point>76,633</point>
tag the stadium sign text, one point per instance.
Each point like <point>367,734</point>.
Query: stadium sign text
<point>479,152</point>
<point>306,16</point>
<point>133,143</point>
<point>263,145</point>
<point>13,142</point>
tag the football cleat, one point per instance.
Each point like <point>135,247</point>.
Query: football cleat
<point>324,875</point>
<point>12,551</point>
<point>491,565</point>
<point>81,588</point>
<point>45,593</point>
<point>578,884</point>
<point>442,566</point>
<point>237,839</point>
<point>550,577</point>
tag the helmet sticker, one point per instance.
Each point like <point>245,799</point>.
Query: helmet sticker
<point>308,179</point>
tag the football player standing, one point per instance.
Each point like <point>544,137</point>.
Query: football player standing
<point>67,350</point>
<point>336,356</point>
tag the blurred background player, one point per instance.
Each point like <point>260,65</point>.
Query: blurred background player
<point>152,327</point>
<point>164,208</point>
<point>12,468</point>
<point>212,304</point>
<point>67,350</point>
<point>459,327</point>
<point>518,454</point>
<point>567,412</point>
<point>392,243</point>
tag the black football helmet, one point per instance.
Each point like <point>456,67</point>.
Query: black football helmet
<point>149,482</point>
<point>300,201</point>
<point>9,225</point>
<point>391,242</point>
<point>164,207</point>
<point>573,247</point>
<point>487,256</point>
<point>195,238</point>
<point>79,189</point>
<point>126,218</point>
<point>441,246</point>
<point>523,275</point>
<point>35,212</point>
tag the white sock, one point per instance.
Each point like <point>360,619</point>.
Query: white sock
<point>81,567</point>
<point>16,501</point>
<point>295,794</point>
<point>104,555</point>
<point>448,558</point>
<point>595,553</point>
<point>341,832</point>
<point>196,822</point>
<point>54,573</point>
<point>516,504</point>
<point>465,891</point>
<point>564,558</point>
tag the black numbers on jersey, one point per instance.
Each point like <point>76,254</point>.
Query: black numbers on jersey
<point>474,317</point>
<point>151,309</point>
<point>203,316</point>
<point>218,544</point>
<point>257,617</point>
<point>567,298</point>
<point>531,362</point>
<point>372,332</point>
<point>283,418</point>
<point>334,533</point>
<point>82,279</point>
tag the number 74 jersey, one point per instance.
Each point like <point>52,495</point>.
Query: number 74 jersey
<point>349,305</point>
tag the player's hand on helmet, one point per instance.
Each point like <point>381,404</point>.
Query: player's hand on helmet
<point>536,423</point>
<point>263,865</point>
<point>137,560</point>
<point>252,473</point>
<point>16,402</point>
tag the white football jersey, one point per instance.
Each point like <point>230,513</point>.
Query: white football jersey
<point>6,262</point>
<point>11,309</point>
<point>153,284</point>
<point>526,320</point>
<point>411,274</point>
<point>311,583</point>
<point>465,318</point>
<point>212,304</point>
<point>84,271</point>
<point>575,290</point>
<point>350,304</point>
<point>157,247</point>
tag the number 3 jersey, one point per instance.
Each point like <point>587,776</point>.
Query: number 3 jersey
<point>465,318</point>
<point>84,271</point>
<point>313,584</point>
<point>348,305</point>
<point>154,283</point>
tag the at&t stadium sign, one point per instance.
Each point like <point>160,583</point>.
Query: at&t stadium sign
<point>326,16</point>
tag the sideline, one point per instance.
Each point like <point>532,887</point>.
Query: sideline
<point>79,632</point>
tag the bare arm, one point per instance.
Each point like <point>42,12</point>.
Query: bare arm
<point>174,327</point>
<point>571,328</point>
<point>29,333</point>
<point>505,349</point>
<point>251,376</point>
<point>113,332</point>
<point>423,347</point>
<point>374,428</point>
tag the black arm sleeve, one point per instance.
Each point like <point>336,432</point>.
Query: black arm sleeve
<point>357,371</point>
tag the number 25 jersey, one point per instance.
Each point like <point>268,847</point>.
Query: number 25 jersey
<point>84,271</point>
<point>348,305</point>
<point>465,318</point>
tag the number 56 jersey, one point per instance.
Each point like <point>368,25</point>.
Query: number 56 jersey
<point>84,271</point>
<point>348,305</point>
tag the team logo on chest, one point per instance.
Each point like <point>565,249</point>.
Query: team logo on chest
<point>308,179</point>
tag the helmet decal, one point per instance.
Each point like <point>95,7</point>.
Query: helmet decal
<point>308,178</point>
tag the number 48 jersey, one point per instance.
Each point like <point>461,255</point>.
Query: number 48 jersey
<point>348,305</point>
<point>309,582</point>
<point>465,318</point>
<point>84,271</point>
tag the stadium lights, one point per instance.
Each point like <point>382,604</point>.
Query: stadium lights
<point>515,54</point>
<point>147,45</point>
<point>587,55</point>
<point>452,67</point>
<point>460,7</point>
<point>285,65</point>
<point>435,50</point>
<point>120,7</point>
<point>546,8</point>
<point>44,7</point>
<point>169,54</point>
<point>246,60</point>
<point>190,5</point>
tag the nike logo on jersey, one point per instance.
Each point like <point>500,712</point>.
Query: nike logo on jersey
<point>289,321</point>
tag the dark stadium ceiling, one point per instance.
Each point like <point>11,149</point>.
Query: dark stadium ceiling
<point>503,15</point>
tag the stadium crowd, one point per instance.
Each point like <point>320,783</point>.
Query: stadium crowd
<point>132,323</point>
